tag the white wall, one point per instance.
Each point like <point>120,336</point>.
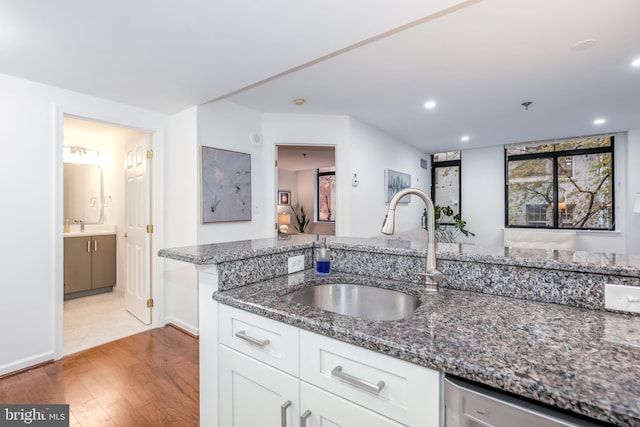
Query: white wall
<point>368,153</point>
<point>226,125</point>
<point>360,149</point>
<point>633,189</point>
<point>181,219</point>
<point>31,247</point>
<point>483,199</point>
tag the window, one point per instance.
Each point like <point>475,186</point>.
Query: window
<point>326,203</point>
<point>445,180</point>
<point>566,184</point>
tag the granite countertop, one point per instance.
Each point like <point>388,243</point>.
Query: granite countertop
<point>581,360</point>
<point>591,262</point>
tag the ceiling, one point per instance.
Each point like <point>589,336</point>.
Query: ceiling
<point>375,60</point>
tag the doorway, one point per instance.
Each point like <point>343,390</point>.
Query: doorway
<point>106,313</point>
<point>306,175</point>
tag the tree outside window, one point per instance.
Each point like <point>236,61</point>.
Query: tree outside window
<point>561,185</point>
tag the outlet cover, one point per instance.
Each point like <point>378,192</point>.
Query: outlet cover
<point>622,298</point>
<point>296,263</point>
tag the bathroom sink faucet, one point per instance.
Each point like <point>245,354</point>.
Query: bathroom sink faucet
<point>81,222</point>
<point>432,277</point>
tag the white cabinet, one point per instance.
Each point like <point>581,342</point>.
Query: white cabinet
<point>328,410</point>
<point>392,387</point>
<point>255,394</point>
<point>270,371</point>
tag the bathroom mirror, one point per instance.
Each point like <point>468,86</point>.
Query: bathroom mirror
<point>83,193</point>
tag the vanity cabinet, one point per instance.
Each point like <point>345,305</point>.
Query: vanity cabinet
<point>89,263</point>
<point>275,374</point>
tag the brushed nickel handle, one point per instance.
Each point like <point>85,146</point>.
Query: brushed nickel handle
<point>303,418</point>
<point>357,382</point>
<point>283,413</point>
<point>88,245</point>
<point>253,341</point>
<point>95,246</point>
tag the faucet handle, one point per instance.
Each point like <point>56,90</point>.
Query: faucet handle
<point>432,279</point>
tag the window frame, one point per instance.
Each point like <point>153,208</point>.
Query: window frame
<point>317,212</point>
<point>554,156</point>
<point>446,164</point>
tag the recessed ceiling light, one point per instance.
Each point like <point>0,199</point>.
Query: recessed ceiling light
<point>465,138</point>
<point>599,121</point>
<point>584,44</point>
<point>636,62</point>
<point>299,101</point>
<point>429,105</point>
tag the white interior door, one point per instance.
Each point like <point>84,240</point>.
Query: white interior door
<point>137,217</point>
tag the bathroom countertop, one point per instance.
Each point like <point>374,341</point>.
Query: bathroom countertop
<point>580,360</point>
<point>89,233</point>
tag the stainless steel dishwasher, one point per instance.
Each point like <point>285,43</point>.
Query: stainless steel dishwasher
<point>470,405</point>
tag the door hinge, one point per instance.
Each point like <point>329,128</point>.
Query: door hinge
<point>150,154</point>
<point>276,163</point>
<point>150,303</point>
<point>150,228</point>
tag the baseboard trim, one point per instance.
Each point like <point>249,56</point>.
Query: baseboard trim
<point>182,326</point>
<point>26,364</point>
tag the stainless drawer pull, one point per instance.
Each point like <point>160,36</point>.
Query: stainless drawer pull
<point>357,382</point>
<point>283,413</point>
<point>243,336</point>
<point>303,418</point>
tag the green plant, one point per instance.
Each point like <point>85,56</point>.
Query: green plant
<point>449,231</point>
<point>301,218</point>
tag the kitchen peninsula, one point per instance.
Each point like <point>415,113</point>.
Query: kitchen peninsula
<point>527,322</point>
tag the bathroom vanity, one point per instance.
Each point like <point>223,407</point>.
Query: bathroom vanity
<point>530,323</point>
<point>89,263</point>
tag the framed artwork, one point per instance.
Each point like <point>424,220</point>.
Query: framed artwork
<point>226,185</point>
<point>395,181</point>
<point>284,198</point>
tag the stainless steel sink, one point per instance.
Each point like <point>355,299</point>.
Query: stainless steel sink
<point>363,302</point>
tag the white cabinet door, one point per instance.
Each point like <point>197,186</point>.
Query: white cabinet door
<point>254,394</point>
<point>392,387</point>
<point>328,410</point>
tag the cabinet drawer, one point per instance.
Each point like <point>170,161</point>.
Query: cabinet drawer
<point>271,342</point>
<point>407,393</point>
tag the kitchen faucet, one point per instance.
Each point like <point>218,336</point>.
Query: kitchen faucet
<point>432,277</point>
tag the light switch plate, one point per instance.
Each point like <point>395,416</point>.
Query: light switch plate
<point>622,298</point>
<point>296,263</point>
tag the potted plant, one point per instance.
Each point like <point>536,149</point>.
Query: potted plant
<point>447,232</point>
<point>301,218</point>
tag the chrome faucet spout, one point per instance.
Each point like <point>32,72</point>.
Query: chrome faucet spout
<point>432,276</point>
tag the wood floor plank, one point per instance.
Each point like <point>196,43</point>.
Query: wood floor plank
<point>149,379</point>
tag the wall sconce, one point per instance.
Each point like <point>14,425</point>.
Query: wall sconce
<point>636,205</point>
<point>284,219</point>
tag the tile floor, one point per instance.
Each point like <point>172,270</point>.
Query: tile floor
<point>97,319</point>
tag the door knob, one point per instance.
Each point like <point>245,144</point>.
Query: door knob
<point>124,235</point>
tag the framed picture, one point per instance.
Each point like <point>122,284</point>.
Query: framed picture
<point>395,181</point>
<point>284,198</point>
<point>226,185</point>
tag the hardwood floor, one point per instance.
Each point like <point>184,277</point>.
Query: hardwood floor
<point>148,379</point>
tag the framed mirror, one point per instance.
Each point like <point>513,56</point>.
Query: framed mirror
<point>83,193</point>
